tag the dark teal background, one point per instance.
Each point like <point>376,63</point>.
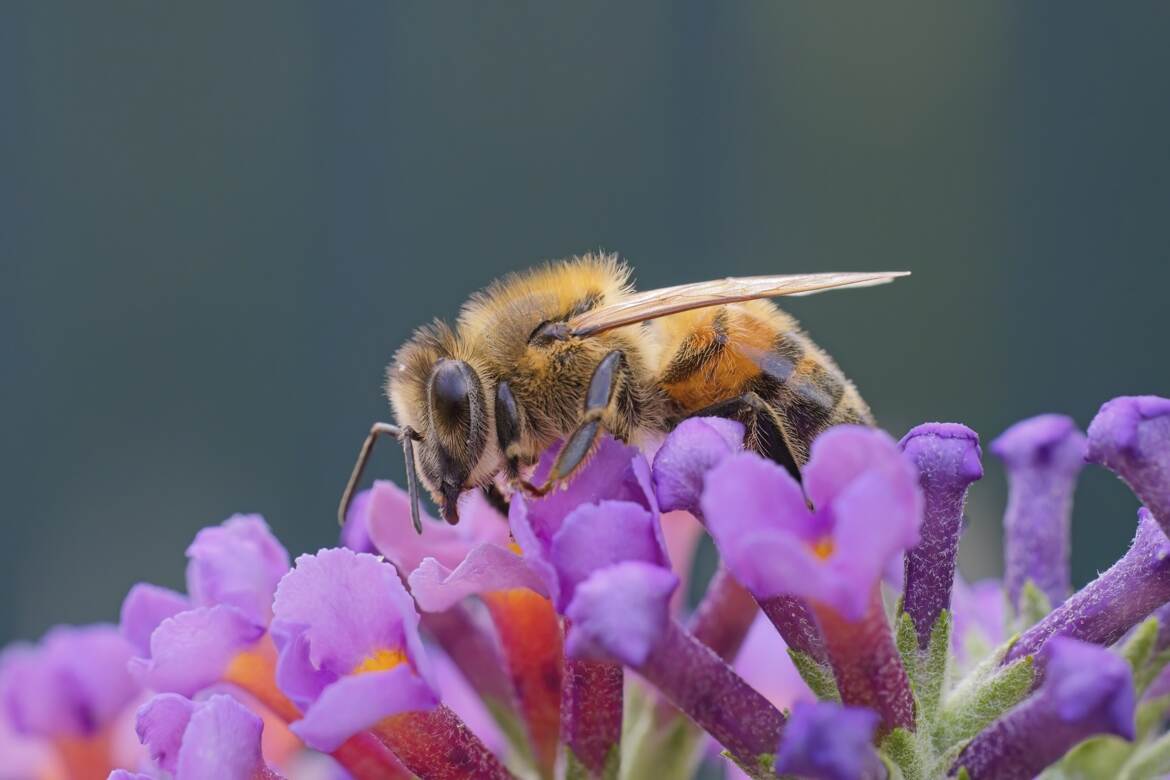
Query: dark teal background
<point>218,220</point>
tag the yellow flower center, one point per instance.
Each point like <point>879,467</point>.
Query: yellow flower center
<point>515,548</point>
<point>380,661</point>
<point>823,547</point>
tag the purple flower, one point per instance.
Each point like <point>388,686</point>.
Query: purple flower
<point>692,449</point>
<point>868,510</point>
<point>1087,690</point>
<point>825,741</point>
<point>1043,456</point>
<point>385,509</point>
<point>1131,437</point>
<point>1102,611</point>
<point>352,660</point>
<point>238,564</point>
<point>607,514</point>
<point>193,643</point>
<point>218,737</point>
<point>979,615</point>
<point>725,614</point>
<point>946,456</point>
<point>350,653</point>
<point>73,684</point>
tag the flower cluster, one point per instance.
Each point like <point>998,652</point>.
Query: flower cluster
<point>834,640</point>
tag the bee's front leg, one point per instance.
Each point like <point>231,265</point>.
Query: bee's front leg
<point>603,390</point>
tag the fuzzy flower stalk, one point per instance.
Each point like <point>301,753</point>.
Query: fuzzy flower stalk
<point>562,637</point>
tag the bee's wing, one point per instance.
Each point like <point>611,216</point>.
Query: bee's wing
<point>651,304</point>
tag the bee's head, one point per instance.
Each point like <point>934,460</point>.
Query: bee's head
<point>442,397</point>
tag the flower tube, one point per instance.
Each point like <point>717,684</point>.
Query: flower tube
<point>1043,456</point>
<point>1131,437</point>
<point>1102,611</point>
<point>946,456</point>
<point>1087,690</point>
<point>868,510</point>
<point>352,660</point>
<point>622,614</point>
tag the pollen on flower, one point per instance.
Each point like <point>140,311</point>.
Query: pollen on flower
<point>515,548</point>
<point>381,661</point>
<point>823,547</point>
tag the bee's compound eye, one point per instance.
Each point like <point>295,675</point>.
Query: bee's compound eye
<point>451,391</point>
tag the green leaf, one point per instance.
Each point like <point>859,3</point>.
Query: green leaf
<point>1034,605</point>
<point>988,692</point>
<point>1139,648</point>
<point>1148,761</point>
<point>934,671</point>
<point>1097,757</point>
<point>818,676</point>
<point>1150,713</point>
<point>906,638</point>
<point>901,749</point>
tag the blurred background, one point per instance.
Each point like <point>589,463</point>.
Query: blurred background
<point>218,221</point>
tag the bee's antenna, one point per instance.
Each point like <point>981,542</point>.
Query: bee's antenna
<point>408,436</point>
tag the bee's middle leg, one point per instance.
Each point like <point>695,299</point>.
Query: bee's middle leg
<point>764,429</point>
<point>599,399</point>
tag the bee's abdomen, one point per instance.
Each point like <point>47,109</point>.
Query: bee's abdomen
<point>756,348</point>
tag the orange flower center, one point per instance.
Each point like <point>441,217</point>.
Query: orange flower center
<point>380,661</point>
<point>823,547</point>
<point>515,548</point>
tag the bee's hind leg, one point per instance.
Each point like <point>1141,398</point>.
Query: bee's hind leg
<point>603,389</point>
<point>764,431</point>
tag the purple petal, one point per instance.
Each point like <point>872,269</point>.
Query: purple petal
<point>748,494</point>
<point>595,536</point>
<point>487,567</point>
<point>946,457</point>
<point>841,454</point>
<point>74,683</point>
<point>1131,437</point>
<point>394,536</point>
<point>1088,683</point>
<point>615,472</point>
<point>977,609</point>
<point>355,533</point>
<point>334,611</point>
<point>688,453</point>
<point>160,726</point>
<point>620,613</point>
<point>191,650</point>
<point>237,563</point>
<point>354,703</point>
<point>125,774</point>
<point>144,607</point>
<point>825,741</point>
<point>877,516</point>
<point>1043,455</point>
<point>222,739</point>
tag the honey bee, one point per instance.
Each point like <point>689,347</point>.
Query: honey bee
<point>568,351</point>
